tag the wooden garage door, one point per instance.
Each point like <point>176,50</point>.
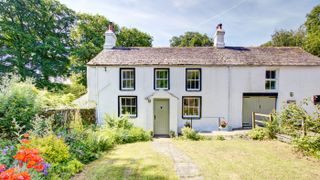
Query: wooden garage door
<point>260,104</point>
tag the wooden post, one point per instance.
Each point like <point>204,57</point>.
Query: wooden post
<point>253,117</point>
<point>303,125</point>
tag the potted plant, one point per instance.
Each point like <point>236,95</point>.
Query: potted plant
<point>187,124</point>
<point>223,126</point>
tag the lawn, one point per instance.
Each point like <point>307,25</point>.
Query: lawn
<point>130,161</point>
<point>242,159</point>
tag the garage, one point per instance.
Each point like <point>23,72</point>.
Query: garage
<point>263,103</point>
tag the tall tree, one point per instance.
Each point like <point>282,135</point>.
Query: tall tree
<point>191,39</point>
<point>287,38</point>
<point>133,38</point>
<point>312,24</point>
<point>88,39</point>
<point>34,37</point>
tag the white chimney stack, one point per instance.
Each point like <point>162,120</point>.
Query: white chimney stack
<point>110,38</point>
<point>219,37</point>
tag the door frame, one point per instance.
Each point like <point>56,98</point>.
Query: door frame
<point>258,94</point>
<point>154,124</point>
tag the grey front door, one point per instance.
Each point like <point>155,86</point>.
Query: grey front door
<point>161,116</point>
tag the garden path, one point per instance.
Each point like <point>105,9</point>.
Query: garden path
<point>184,166</point>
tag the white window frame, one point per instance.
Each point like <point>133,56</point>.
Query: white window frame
<point>122,79</point>
<point>128,105</point>
<point>156,79</point>
<point>195,80</point>
<point>185,116</point>
<point>275,80</point>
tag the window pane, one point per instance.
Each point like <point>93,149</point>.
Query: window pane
<point>193,79</point>
<point>267,74</point>
<point>267,85</point>
<point>272,85</point>
<point>273,74</point>
<point>191,107</point>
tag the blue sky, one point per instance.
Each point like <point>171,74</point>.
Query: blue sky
<point>246,22</point>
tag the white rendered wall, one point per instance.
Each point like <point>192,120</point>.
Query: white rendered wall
<point>216,93</point>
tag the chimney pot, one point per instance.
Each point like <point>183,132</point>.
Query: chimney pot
<point>111,27</point>
<point>219,37</point>
<point>110,37</point>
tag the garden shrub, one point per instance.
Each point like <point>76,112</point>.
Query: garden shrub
<point>52,148</point>
<point>258,133</point>
<point>20,102</point>
<point>124,130</point>
<point>117,122</point>
<point>172,134</point>
<point>220,138</point>
<point>132,135</point>
<point>272,127</point>
<point>65,170</point>
<point>87,145</point>
<point>189,133</point>
<point>309,145</point>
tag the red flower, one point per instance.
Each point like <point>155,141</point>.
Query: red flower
<point>39,167</point>
<point>2,167</point>
<point>22,176</point>
<point>26,135</point>
<point>25,141</point>
<point>8,174</point>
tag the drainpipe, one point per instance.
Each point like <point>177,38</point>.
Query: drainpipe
<point>97,95</point>
<point>229,92</point>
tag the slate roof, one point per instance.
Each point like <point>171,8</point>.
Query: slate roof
<point>206,56</point>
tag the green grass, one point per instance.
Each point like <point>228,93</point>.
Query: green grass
<point>242,159</point>
<point>130,161</point>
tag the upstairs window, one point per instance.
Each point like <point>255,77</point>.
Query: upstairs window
<point>128,106</point>
<point>191,107</point>
<point>161,79</point>
<point>127,79</point>
<point>271,80</point>
<point>193,79</point>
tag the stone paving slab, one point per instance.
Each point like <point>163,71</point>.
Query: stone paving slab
<point>183,164</point>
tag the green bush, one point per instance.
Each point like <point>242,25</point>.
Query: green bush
<point>87,145</point>
<point>258,133</point>
<point>272,127</point>
<point>52,148</point>
<point>123,130</point>
<point>131,135</point>
<point>189,133</point>
<point>172,134</point>
<point>220,138</point>
<point>65,170</point>
<point>20,102</point>
<point>310,145</point>
<point>117,122</point>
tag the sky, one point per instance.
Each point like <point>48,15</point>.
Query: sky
<point>246,22</point>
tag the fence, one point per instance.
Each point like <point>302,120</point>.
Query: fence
<point>258,122</point>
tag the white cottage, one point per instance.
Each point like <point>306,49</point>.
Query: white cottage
<point>163,88</point>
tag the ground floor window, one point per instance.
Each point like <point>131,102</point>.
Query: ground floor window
<point>128,106</point>
<point>191,107</point>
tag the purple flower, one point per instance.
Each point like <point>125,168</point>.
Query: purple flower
<point>46,168</point>
<point>12,148</point>
<point>4,151</point>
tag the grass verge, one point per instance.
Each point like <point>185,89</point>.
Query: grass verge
<point>130,161</point>
<point>242,159</point>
